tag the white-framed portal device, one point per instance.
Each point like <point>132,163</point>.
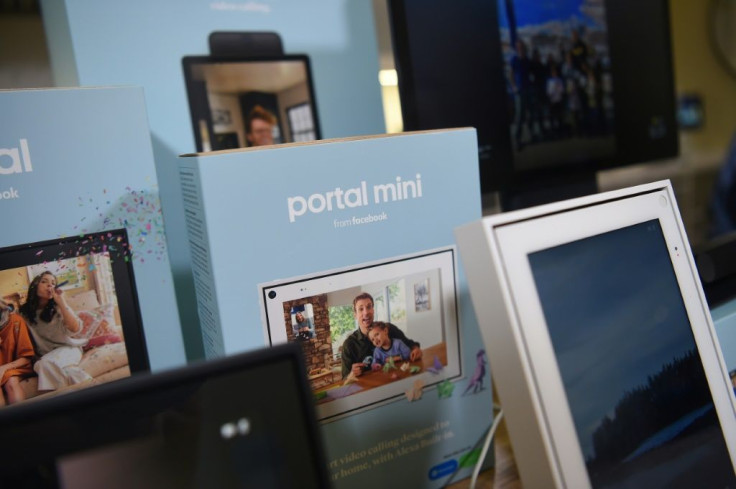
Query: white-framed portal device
<point>601,344</point>
<point>430,319</point>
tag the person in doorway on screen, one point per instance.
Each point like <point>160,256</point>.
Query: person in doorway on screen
<point>357,347</point>
<point>386,347</point>
<point>259,127</point>
<point>53,325</point>
<point>16,354</point>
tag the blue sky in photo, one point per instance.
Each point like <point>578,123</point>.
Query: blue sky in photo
<point>536,12</point>
<point>615,316</point>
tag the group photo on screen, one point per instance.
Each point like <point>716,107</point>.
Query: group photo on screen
<point>238,103</point>
<point>369,333</point>
<point>561,87</point>
<point>61,324</point>
<point>558,77</point>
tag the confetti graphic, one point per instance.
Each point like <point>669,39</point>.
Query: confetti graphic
<point>445,389</point>
<point>138,211</point>
<point>436,367</point>
<point>415,392</point>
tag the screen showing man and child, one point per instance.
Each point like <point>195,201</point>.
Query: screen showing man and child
<point>62,316</point>
<point>370,332</point>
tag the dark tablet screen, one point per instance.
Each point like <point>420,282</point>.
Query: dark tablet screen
<point>242,421</point>
<point>633,375</point>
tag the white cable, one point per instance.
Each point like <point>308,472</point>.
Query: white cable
<point>484,451</point>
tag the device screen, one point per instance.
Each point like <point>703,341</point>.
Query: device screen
<point>553,88</point>
<point>238,103</point>
<point>415,295</point>
<point>240,425</point>
<point>94,273</point>
<point>634,379</point>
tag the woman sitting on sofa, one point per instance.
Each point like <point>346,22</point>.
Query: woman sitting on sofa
<point>53,325</point>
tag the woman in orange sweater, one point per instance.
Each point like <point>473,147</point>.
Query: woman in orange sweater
<point>16,354</point>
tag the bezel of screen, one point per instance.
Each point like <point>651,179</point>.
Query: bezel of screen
<point>438,264</point>
<point>62,255</point>
<point>519,239</point>
<point>264,81</point>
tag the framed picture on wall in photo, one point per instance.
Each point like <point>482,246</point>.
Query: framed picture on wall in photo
<point>221,116</point>
<point>421,296</point>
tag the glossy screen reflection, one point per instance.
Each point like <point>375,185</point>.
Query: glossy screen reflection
<point>241,421</point>
<point>631,370</point>
<point>202,438</point>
